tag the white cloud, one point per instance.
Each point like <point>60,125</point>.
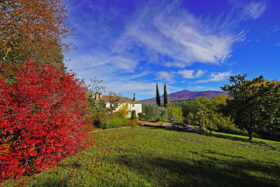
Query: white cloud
<point>255,9</point>
<point>202,88</point>
<point>181,37</point>
<point>216,77</point>
<point>174,64</point>
<point>134,75</point>
<point>199,73</point>
<point>166,76</point>
<point>155,35</point>
<point>116,78</point>
<point>189,74</point>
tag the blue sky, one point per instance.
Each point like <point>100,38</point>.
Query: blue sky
<point>187,44</point>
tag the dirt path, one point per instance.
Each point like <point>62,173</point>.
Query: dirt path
<point>149,123</point>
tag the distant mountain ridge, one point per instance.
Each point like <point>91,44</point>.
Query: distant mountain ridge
<point>185,95</point>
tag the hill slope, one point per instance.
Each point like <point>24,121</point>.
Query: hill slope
<point>185,95</point>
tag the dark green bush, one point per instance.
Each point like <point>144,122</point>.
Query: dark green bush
<point>141,116</point>
<point>133,115</point>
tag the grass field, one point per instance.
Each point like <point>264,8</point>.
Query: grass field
<point>146,156</point>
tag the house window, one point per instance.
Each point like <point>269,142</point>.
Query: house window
<point>132,105</point>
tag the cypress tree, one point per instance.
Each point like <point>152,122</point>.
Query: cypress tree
<point>157,95</point>
<point>165,96</point>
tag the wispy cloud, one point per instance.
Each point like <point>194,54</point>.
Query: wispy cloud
<point>174,64</point>
<point>249,9</point>
<point>184,39</point>
<point>202,88</point>
<point>255,9</point>
<point>190,74</point>
<point>165,76</point>
<point>216,77</point>
<point>124,55</point>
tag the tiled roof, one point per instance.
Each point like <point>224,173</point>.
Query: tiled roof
<point>107,98</point>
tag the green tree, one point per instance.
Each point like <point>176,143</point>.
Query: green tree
<point>254,103</point>
<point>165,96</point>
<point>196,105</point>
<point>175,112</point>
<point>157,95</point>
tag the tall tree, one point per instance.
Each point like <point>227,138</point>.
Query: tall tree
<point>165,96</point>
<point>157,95</point>
<point>32,30</point>
<point>253,103</point>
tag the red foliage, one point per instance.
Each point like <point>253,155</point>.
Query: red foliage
<point>41,118</point>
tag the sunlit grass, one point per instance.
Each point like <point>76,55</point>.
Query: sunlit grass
<point>146,156</point>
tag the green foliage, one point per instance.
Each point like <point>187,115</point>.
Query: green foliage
<point>175,113</point>
<point>163,114</point>
<point>205,112</point>
<point>157,95</point>
<point>114,121</point>
<point>141,116</point>
<point>203,103</point>
<point>152,112</point>
<point>123,111</point>
<point>196,105</point>
<point>165,96</point>
<point>211,120</point>
<point>254,103</point>
<point>133,115</point>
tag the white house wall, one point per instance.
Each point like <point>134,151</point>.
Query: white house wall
<point>137,107</point>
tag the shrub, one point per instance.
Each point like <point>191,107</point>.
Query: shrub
<point>133,115</point>
<point>141,116</point>
<point>114,121</point>
<point>42,114</point>
<point>151,111</point>
<point>163,114</point>
<point>210,120</point>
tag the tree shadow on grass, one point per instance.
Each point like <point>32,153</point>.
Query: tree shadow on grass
<point>207,171</point>
<point>224,136</point>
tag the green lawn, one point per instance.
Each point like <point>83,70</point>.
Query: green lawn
<point>146,156</point>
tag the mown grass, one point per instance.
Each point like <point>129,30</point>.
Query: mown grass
<point>146,156</point>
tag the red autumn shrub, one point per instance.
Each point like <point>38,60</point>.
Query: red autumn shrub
<point>42,113</point>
